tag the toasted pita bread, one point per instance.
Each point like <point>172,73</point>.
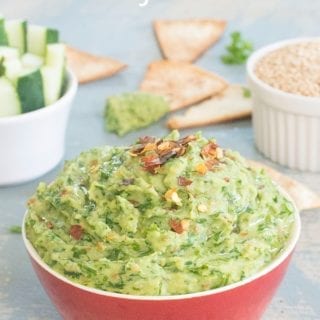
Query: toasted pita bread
<point>304,198</point>
<point>88,67</point>
<point>231,104</point>
<point>187,40</point>
<point>181,83</point>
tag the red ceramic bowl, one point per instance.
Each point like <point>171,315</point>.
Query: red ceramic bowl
<point>245,300</point>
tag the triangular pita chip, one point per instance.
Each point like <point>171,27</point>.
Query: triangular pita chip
<point>233,103</point>
<point>187,40</point>
<point>304,198</point>
<point>181,83</point>
<point>88,67</point>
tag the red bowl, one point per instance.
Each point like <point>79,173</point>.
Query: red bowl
<point>245,300</point>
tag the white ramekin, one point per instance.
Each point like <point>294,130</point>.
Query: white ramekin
<point>286,126</point>
<point>32,144</point>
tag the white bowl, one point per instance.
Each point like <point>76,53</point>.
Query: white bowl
<point>32,143</point>
<point>286,126</point>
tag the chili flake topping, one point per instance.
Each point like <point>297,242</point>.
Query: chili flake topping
<point>156,152</point>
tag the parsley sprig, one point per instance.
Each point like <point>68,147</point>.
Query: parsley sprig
<point>238,50</point>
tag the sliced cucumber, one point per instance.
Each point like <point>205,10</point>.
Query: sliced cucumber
<point>32,60</point>
<point>51,88</point>
<point>17,34</point>
<point>55,55</point>
<point>9,53</point>
<point>30,91</point>
<point>38,37</point>
<point>13,68</point>
<point>53,72</point>
<point>9,102</point>
<point>3,34</point>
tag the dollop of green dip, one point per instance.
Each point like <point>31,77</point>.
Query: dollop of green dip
<point>131,111</point>
<point>163,217</point>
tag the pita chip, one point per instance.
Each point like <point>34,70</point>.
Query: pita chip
<point>304,197</point>
<point>187,40</point>
<point>88,67</point>
<point>232,104</point>
<point>181,83</point>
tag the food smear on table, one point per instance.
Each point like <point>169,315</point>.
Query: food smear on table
<point>131,111</point>
<point>165,216</point>
<point>32,67</point>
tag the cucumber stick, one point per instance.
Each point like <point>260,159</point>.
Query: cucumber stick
<point>53,72</point>
<point>9,102</point>
<point>9,53</point>
<point>32,60</point>
<point>3,34</point>
<point>16,31</point>
<point>38,37</point>
<point>32,67</point>
<point>13,68</point>
<point>30,91</point>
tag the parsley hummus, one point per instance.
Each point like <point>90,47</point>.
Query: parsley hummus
<point>162,217</point>
<point>131,111</point>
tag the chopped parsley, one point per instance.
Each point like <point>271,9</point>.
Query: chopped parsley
<point>15,229</point>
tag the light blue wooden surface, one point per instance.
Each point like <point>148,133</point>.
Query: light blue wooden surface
<point>122,29</point>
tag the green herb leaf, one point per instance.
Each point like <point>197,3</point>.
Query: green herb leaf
<point>15,229</point>
<point>238,50</point>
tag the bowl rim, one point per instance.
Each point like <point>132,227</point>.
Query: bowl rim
<point>269,268</point>
<point>46,110</point>
<point>311,101</point>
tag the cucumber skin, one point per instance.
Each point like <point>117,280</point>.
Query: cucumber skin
<point>30,91</point>
<point>21,46</point>
<point>64,85</point>
<point>3,34</point>
<point>24,26</point>
<point>52,36</point>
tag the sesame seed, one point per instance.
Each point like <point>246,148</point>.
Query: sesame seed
<point>294,68</point>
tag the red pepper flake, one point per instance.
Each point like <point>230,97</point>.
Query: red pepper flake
<point>157,152</point>
<point>31,201</point>
<point>209,150</point>
<point>179,226</point>
<point>147,139</point>
<point>76,231</point>
<point>187,139</point>
<point>64,192</point>
<point>182,181</point>
<point>176,226</point>
<point>50,225</point>
<point>151,162</point>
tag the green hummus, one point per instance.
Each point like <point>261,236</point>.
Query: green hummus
<point>132,111</point>
<point>163,217</point>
